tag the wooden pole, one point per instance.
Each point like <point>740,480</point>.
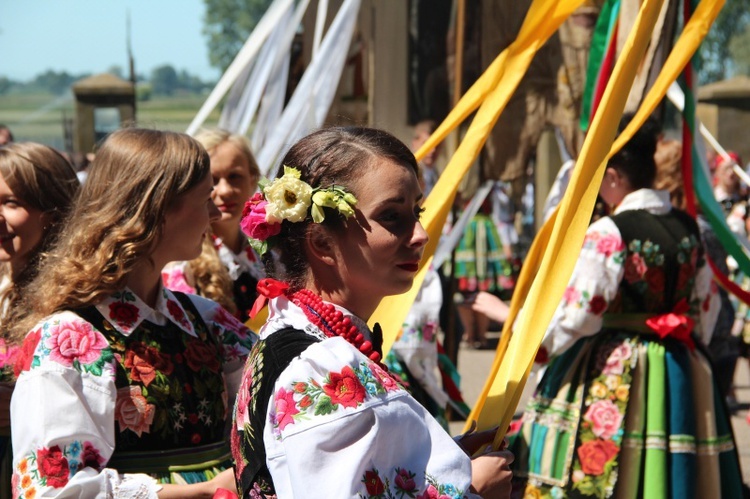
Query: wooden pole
<point>451,341</point>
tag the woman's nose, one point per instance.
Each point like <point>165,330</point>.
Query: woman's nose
<point>419,236</point>
<point>213,212</point>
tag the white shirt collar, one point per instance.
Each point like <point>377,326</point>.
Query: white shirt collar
<point>126,311</point>
<point>653,201</point>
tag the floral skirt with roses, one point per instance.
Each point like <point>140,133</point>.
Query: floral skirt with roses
<point>616,415</point>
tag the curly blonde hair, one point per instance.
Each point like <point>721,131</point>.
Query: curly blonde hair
<point>211,277</point>
<point>44,180</point>
<point>117,219</point>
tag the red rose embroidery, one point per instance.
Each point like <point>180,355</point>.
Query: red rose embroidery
<point>686,273</point>
<point>597,305</point>
<point>595,454</point>
<point>53,466</point>
<point>345,388</point>
<point>123,313</point>
<point>176,311</point>
<point>373,483</point>
<point>26,352</point>
<point>655,280</point>
<point>200,354</point>
<point>91,457</point>
<point>405,481</point>
<point>144,361</point>
<point>635,267</point>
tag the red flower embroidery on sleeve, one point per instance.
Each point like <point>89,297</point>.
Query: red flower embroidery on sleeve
<point>53,466</point>
<point>345,388</point>
<point>597,305</point>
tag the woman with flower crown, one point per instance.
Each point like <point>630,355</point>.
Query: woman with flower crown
<point>123,386</point>
<point>628,406</point>
<point>317,414</point>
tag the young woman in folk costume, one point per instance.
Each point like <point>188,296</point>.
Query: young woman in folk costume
<point>37,186</point>
<point>123,383</point>
<point>228,269</point>
<point>628,406</point>
<point>317,415</point>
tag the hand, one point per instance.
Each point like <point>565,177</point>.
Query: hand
<point>491,475</point>
<point>491,306</point>
<point>224,480</point>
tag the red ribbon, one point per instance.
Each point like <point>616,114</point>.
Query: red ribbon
<point>267,288</point>
<point>675,324</point>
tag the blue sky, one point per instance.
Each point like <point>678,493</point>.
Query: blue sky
<point>88,36</point>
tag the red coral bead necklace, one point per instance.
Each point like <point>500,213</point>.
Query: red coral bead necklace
<point>332,322</point>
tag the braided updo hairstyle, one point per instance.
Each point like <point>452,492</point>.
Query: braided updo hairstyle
<point>327,157</point>
<point>636,158</point>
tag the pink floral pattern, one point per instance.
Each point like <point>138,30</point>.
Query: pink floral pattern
<point>336,392</point>
<point>285,407</point>
<point>132,410</point>
<point>601,429</point>
<point>74,341</point>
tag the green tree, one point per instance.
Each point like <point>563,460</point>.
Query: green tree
<point>54,82</point>
<point>227,24</point>
<point>164,80</point>
<point>739,48</point>
<point>5,84</point>
<point>715,59</point>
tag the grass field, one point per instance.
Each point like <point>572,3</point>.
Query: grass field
<point>39,117</point>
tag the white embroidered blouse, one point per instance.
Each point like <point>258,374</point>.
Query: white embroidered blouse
<point>66,407</point>
<point>338,426</point>
<point>599,270</point>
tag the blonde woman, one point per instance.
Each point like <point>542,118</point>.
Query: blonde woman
<point>228,269</point>
<point>123,383</point>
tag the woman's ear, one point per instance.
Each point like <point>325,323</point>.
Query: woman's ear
<point>611,177</point>
<point>320,245</point>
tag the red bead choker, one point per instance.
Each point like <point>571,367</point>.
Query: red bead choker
<point>332,322</point>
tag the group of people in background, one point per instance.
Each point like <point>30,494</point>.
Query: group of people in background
<point>129,369</point>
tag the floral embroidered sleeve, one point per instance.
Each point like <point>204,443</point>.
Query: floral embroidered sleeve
<point>336,414</point>
<point>591,288</point>
<point>62,414</point>
<point>235,337</point>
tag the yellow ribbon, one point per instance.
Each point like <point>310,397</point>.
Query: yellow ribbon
<point>504,385</point>
<point>493,90</point>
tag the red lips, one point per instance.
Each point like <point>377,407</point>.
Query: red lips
<point>411,267</point>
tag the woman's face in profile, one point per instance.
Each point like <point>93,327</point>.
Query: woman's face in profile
<point>21,227</point>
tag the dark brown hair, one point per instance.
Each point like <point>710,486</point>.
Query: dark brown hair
<point>636,158</point>
<point>330,156</point>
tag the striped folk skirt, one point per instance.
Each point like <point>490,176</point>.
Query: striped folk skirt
<point>627,415</point>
